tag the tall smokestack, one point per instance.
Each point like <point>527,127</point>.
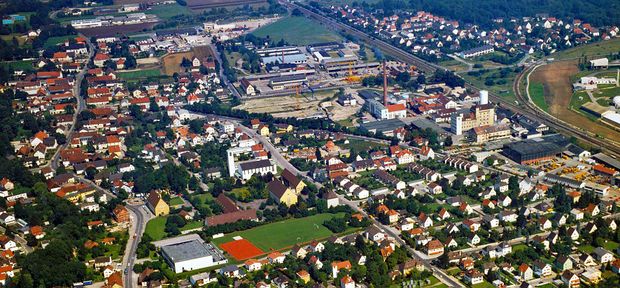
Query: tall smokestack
<point>385,94</point>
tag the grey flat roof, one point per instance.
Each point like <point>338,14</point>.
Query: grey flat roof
<point>189,250</point>
<point>425,123</point>
<point>383,125</point>
<point>600,157</point>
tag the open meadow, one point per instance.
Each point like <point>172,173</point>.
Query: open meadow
<point>297,31</point>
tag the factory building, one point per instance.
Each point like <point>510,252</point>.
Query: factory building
<point>532,150</point>
<point>482,114</point>
<point>283,82</point>
<point>391,111</point>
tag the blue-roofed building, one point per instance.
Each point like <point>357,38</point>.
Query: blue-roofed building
<point>287,59</point>
<point>11,19</point>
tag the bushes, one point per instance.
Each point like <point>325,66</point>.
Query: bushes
<point>336,225</point>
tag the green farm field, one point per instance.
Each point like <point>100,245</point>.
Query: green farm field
<point>283,234</point>
<point>297,31</point>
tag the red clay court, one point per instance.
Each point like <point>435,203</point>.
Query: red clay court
<point>241,249</point>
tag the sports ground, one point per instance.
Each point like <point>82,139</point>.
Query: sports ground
<point>241,249</point>
<point>276,236</point>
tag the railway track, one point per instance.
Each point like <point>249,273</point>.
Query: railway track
<point>611,148</point>
<point>527,109</point>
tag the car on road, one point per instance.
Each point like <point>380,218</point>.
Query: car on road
<point>126,270</point>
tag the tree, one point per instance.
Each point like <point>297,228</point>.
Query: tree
<point>448,141</point>
<point>296,12</point>
<point>186,63</point>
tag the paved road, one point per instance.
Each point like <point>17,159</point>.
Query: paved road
<point>138,226</point>
<point>223,77</point>
<point>140,217</point>
<point>81,105</point>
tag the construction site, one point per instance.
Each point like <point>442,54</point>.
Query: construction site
<point>306,82</point>
<point>295,70</point>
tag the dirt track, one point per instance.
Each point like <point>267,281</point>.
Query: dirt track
<point>558,91</point>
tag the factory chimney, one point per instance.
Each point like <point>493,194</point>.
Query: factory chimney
<point>385,94</point>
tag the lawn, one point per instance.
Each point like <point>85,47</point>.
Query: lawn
<point>192,225</point>
<point>18,65</point>
<point>453,271</point>
<point>578,99</point>
<point>176,201</point>
<point>362,145</point>
<point>53,41</point>
<point>204,198</point>
<point>607,92</point>
<point>519,247</point>
<point>594,50</point>
<point>537,93</point>
<point>155,228</point>
<point>611,245</point>
<point>297,31</point>
<point>139,74</point>
<point>168,11</point>
<point>502,86</point>
<point>284,234</point>
<point>586,248</point>
<point>241,193</point>
<point>484,284</point>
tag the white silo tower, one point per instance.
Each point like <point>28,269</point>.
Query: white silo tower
<point>484,97</point>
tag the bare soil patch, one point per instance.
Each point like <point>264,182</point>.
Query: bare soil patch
<point>202,52</point>
<point>172,62</point>
<point>556,78</point>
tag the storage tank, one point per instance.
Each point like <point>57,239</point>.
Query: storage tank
<point>484,97</point>
<point>617,101</point>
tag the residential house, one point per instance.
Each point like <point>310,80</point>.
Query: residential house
<point>156,204</point>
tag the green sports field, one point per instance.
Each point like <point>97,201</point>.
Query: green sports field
<point>297,31</point>
<point>139,74</point>
<point>283,234</point>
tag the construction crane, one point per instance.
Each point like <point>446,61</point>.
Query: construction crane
<point>351,78</point>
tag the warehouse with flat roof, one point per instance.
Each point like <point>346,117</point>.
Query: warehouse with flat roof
<point>529,151</point>
<point>191,255</point>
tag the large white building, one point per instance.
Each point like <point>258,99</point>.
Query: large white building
<point>380,111</point>
<point>192,255</point>
<point>246,169</point>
